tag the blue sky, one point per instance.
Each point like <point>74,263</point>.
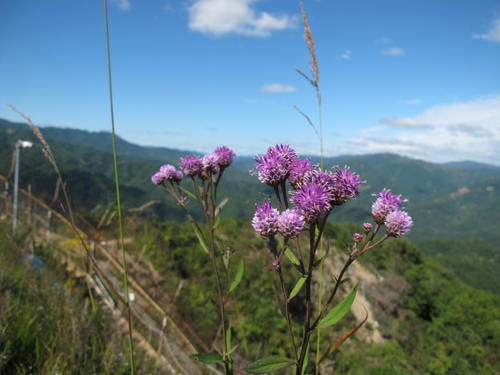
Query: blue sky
<point>420,78</point>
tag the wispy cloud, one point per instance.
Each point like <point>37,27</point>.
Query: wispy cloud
<point>383,40</point>
<point>276,88</point>
<point>394,51</point>
<point>448,132</point>
<point>405,122</point>
<point>493,35</point>
<point>221,17</point>
<point>346,55</point>
<point>122,4</point>
<point>412,101</point>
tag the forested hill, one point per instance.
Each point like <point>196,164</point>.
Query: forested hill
<point>447,202</point>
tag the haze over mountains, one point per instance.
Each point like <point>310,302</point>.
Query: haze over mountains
<point>460,200</point>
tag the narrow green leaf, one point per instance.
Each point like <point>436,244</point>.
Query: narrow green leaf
<point>292,257</point>
<point>269,364</point>
<point>345,280</point>
<point>289,253</point>
<point>306,359</point>
<point>298,286</point>
<point>209,358</point>
<point>237,277</point>
<point>228,338</point>
<point>200,238</point>
<point>232,350</point>
<point>187,192</point>
<point>339,311</point>
<point>340,340</point>
<point>318,262</point>
<point>219,216</point>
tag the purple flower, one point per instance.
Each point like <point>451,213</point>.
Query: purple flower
<point>312,200</point>
<point>274,166</point>
<point>266,219</point>
<point>290,223</point>
<point>346,186</point>
<point>168,171</point>
<point>299,168</point>
<point>191,165</point>
<point>367,227</point>
<point>177,176</point>
<point>386,203</point>
<point>271,169</point>
<point>357,237</point>
<point>398,223</point>
<point>158,178</point>
<point>285,152</point>
<point>210,164</point>
<point>225,156</point>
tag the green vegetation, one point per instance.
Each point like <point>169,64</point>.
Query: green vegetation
<point>46,321</point>
<point>430,322</point>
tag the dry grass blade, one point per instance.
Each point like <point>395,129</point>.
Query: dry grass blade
<point>313,61</point>
<point>46,148</point>
<point>308,119</point>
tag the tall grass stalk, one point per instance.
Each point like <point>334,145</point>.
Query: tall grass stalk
<point>118,199</point>
<point>314,81</point>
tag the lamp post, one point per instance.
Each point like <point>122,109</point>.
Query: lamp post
<point>19,144</point>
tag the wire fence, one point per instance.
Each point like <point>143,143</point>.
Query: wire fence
<point>167,338</point>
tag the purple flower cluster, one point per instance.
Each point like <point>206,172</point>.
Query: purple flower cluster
<point>386,203</point>
<point>315,192</point>
<point>274,166</point>
<point>386,211</point>
<point>268,221</point>
<point>167,173</point>
<point>265,221</point>
<point>398,224</point>
<point>193,166</point>
<point>312,200</point>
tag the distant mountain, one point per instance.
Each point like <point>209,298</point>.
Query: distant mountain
<point>445,200</point>
<point>458,200</point>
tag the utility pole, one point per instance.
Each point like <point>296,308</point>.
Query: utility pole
<point>19,144</point>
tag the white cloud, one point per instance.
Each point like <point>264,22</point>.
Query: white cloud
<point>394,51</point>
<point>493,35</point>
<point>346,55</point>
<point>221,17</point>
<point>122,4</point>
<point>275,88</point>
<point>448,132</point>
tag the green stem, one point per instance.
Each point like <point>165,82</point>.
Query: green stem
<point>118,199</point>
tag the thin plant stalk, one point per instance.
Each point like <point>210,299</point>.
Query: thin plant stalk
<point>118,199</point>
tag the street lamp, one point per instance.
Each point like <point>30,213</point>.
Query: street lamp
<point>19,144</point>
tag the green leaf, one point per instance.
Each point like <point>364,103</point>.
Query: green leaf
<point>306,359</point>
<point>318,262</point>
<point>200,238</point>
<point>237,277</point>
<point>289,253</point>
<point>298,286</point>
<point>269,364</point>
<point>339,311</point>
<point>340,340</point>
<point>209,358</point>
<point>217,220</point>
<point>228,339</point>
<point>232,350</point>
<point>187,192</point>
